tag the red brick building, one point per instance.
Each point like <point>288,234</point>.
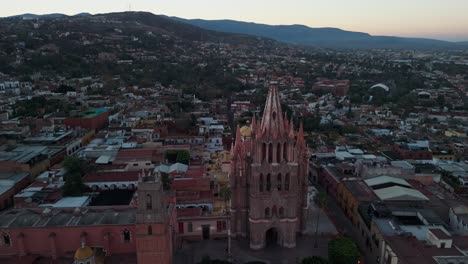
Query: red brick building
<point>336,87</point>
<point>269,171</point>
<point>92,119</point>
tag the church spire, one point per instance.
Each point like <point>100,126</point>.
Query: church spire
<point>300,136</point>
<point>272,121</point>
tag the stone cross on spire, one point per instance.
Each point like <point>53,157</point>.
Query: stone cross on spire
<point>272,122</point>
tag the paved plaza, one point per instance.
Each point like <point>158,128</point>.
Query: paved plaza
<point>193,252</point>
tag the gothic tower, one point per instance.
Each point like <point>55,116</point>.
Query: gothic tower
<point>268,179</point>
<point>153,222</point>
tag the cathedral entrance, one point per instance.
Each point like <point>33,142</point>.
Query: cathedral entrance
<point>271,237</point>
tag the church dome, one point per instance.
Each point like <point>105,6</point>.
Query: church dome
<point>83,253</point>
<point>246,131</point>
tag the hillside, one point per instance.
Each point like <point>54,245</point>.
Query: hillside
<point>133,48</point>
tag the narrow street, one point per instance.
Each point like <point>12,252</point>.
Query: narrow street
<point>345,226</point>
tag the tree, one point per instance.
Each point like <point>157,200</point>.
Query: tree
<point>208,260</point>
<point>321,201</point>
<point>183,156</point>
<point>166,181</point>
<point>441,101</point>
<point>75,169</point>
<point>226,193</point>
<point>314,260</point>
<point>343,251</point>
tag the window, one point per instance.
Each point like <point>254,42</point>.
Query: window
<point>135,164</point>
<point>278,153</point>
<point>6,240</point>
<point>181,228</point>
<point>150,230</point>
<point>270,153</point>
<point>126,236</point>
<point>274,116</point>
<point>149,202</point>
<point>264,151</point>
<point>285,153</point>
<point>261,183</point>
<point>281,212</point>
<point>268,183</point>
<point>267,212</point>
<point>273,211</point>
<point>219,226</point>
<point>279,182</point>
<point>286,183</point>
<point>224,225</point>
<point>190,227</point>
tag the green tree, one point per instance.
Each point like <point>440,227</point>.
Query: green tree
<point>183,156</point>
<point>314,260</point>
<point>343,251</point>
<point>208,260</point>
<point>75,169</point>
<point>166,181</point>
<point>321,201</point>
<point>441,101</point>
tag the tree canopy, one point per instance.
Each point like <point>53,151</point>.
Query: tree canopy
<point>314,260</point>
<point>75,169</point>
<point>343,251</point>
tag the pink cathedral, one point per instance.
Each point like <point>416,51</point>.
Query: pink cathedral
<point>269,179</point>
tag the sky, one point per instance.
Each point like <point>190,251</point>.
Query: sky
<point>439,19</point>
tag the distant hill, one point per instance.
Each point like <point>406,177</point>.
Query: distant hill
<point>150,22</point>
<point>322,37</point>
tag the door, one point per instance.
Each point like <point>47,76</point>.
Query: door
<point>206,232</point>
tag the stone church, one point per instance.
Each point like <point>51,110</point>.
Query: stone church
<point>269,179</point>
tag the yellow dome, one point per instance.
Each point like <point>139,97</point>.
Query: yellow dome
<point>246,131</point>
<point>83,253</point>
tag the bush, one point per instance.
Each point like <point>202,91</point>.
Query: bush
<point>314,260</point>
<point>343,251</point>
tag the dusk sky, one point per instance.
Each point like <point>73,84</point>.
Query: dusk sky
<point>441,19</point>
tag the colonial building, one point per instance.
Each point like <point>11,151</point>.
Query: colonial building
<point>144,234</point>
<point>268,179</point>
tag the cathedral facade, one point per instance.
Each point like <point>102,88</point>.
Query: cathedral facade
<point>269,179</point>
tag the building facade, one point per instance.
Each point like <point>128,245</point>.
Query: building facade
<point>269,179</point>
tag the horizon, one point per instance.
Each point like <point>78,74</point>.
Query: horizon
<point>442,21</point>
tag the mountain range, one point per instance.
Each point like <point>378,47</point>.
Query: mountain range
<point>296,34</point>
<point>321,37</point>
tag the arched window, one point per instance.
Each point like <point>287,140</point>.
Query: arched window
<point>279,182</point>
<point>270,153</point>
<point>6,240</point>
<point>278,153</point>
<point>281,212</point>
<point>285,151</point>
<point>263,151</point>
<point>274,116</point>
<point>126,235</point>
<point>149,202</point>
<point>267,212</point>
<point>261,183</point>
<point>286,183</point>
<point>273,211</point>
<point>268,182</point>
<point>150,230</point>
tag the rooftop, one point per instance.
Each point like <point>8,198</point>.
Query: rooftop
<point>18,218</point>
